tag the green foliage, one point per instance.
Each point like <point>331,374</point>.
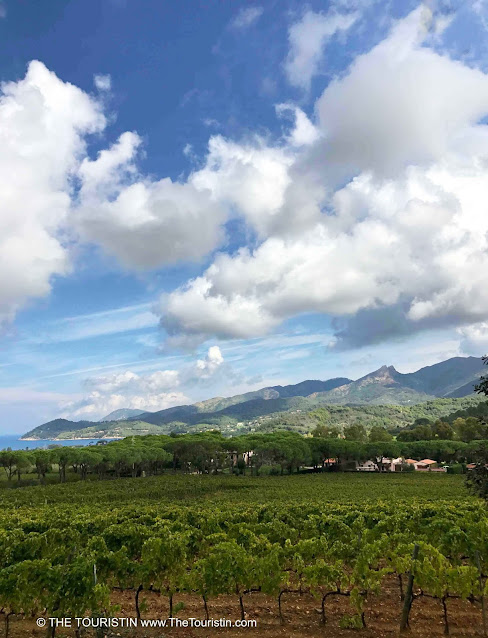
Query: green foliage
<point>211,453</point>
<point>297,413</point>
<point>379,434</point>
<point>355,432</point>
<point>230,535</point>
<point>470,429</point>
<point>482,387</point>
<point>477,479</point>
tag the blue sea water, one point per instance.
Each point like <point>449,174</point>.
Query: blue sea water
<point>14,443</point>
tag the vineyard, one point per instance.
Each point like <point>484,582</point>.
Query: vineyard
<point>338,546</point>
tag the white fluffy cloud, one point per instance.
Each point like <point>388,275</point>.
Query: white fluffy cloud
<point>152,392</point>
<point>474,338</point>
<point>304,132</point>
<point>96,405</point>
<point>251,178</point>
<point>43,122</point>
<point>144,223</point>
<point>401,104</point>
<point>307,39</point>
<point>51,192</point>
<point>402,131</point>
<point>378,201</point>
<point>208,366</point>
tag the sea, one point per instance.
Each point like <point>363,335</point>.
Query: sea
<point>14,443</point>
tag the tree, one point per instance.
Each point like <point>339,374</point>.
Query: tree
<point>442,430</point>
<point>419,433</point>
<point>23,463</point>
<point>470,429</point>
<point>8,459</point>
<point>355,432</point>
<point>423,433</point>
<point>61,456</point>
<point>379,434</point>
<point>321,450</point>
<point>422,421</point>
<point>42,461</point>
<point>406,436</point>
<point>477,479</point>
<point>325,432</point>
<point>482,387</point>
<point>121,459</point>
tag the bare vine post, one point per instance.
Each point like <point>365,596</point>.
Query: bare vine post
<point>407,603</point>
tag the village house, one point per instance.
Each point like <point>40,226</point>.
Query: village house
<point>367,466</point>
<point>425,465</point>
<point>411,462</point>
<point>392,465</point>
<point>398,465</point>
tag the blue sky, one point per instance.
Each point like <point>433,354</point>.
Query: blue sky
<point>201,199</point>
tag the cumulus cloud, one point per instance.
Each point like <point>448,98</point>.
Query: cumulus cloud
<point>250,177</point>
<point>385,208</point>
<point>246,16</point>
<point>43,123</point>
<point>307,39</point>
<point>474,338</point>
<point>152,392</point>
<point>400,104</point>
<point>376,202</point>
<point>52,193</point>
<point>144,223</point>
<point>208,366</point>
<point>303,132</point>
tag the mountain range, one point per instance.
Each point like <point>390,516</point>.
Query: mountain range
<point>451,379</point>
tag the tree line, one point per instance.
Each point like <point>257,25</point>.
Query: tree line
<point>211,452</point>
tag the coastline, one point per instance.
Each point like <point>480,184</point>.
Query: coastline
<point>80,438</point>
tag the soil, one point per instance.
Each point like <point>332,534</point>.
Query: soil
<point>302,615</point>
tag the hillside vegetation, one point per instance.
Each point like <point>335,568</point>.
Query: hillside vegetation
<point>383,397</point>
<point>296,414</point>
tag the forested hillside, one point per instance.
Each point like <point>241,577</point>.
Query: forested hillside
<point>396,399</point>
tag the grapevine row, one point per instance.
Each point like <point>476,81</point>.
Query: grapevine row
<point>48,555</point>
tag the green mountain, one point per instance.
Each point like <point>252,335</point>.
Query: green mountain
<point>54,429</point>
<point>243,406</point>
<point>452,380</point>
<point>122,415</point>
<point>455,377</point>
<point>381,387</point>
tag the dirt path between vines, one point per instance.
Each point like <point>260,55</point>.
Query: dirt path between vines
<point>302,617</point>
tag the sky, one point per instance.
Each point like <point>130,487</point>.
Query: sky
<point>199,199</point>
